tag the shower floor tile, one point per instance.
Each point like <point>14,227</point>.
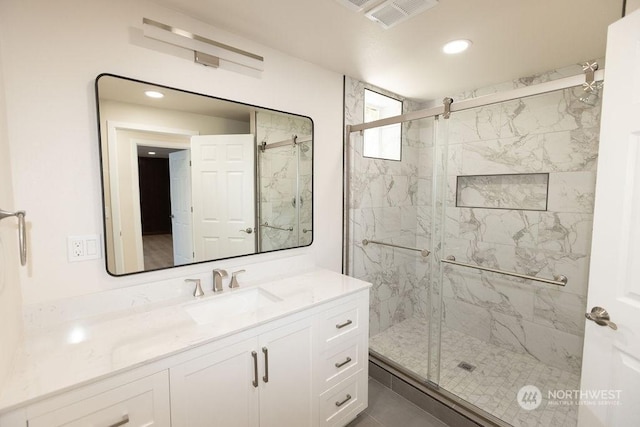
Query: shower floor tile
<point>494,383</point>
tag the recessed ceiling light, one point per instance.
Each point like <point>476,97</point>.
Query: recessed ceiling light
<point>77,335</point>
<point>154,94</point>
<point>456,46</point>
<point>152,153</point>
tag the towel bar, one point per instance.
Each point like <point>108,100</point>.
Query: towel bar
<point>22,232</point>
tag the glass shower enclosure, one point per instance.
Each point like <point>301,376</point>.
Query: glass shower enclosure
<point>477,243</point>
<point>285,181</point>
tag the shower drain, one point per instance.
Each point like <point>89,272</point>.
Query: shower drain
<point>466,366</point>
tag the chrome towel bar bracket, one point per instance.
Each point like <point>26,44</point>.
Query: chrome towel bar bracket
<point>22,232</point>
<point>266,224</point>
<point>558,280</point>
<point>424,252</point>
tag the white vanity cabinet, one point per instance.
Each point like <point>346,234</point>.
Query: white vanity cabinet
<point>307,368</point>
<point>113,402</point>
<point>264,381</point>
<point>342,373</point>
<point>303,372</point>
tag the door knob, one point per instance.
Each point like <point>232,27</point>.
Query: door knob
<point>248,230</point>
<point>601,317</point>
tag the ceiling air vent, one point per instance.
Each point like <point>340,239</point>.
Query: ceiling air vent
<point>392,12</point>
<point>357,5</point>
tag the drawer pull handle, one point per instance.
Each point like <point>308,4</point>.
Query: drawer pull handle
<point>348,398</point>
<point>341,364</point>
<point>255,368</point>
<point>342,325</point>
<point>123,421</point>
<point>265,378</point>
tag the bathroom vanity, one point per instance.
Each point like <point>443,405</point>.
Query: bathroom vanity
<point>289,352</point>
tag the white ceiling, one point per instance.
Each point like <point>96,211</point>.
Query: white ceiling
<point>121,89</point>
<point>511,38</point>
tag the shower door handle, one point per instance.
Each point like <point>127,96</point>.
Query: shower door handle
<point>601,317</point>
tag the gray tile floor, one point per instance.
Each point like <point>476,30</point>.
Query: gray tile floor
<point>389,409</point>
<point>494,384</point>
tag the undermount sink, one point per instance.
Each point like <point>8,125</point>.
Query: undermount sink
<point>234,303</point>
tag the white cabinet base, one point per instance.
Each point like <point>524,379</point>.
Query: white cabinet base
<point>144,402</point>
<point>345,401</point>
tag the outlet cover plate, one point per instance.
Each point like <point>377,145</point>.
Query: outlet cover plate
<point>83,248</point>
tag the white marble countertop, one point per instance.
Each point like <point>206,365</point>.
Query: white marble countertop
<point>77,352</point>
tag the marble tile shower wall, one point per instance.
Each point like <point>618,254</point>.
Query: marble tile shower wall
<point>280,170</point>
<point>386,197</point>
<point>554,133</point>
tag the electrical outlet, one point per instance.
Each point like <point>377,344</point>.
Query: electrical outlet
<point>77,248</point>
<point>81,248</point>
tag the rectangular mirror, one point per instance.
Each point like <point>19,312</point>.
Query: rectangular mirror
<point>190,178</point>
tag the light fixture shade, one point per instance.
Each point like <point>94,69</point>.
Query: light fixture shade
<point>181,38</point>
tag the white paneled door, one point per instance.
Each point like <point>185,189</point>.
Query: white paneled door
<point>223,195</point>
<point>180,188</point>
<point>610,386</point>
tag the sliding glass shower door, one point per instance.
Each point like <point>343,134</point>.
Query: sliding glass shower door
<point>519,202</point>
<point>508,188</point>
<point>390,236</point>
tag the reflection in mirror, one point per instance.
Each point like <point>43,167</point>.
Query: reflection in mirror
<point>190,178</point>
<point>284,162</point>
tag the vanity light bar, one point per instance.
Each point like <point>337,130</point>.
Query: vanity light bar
<point>204,59</point>
<point>202,45</point>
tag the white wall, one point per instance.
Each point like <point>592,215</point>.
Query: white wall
<point>631,6</point>
<point>52,53</point>
<point>10,302</point>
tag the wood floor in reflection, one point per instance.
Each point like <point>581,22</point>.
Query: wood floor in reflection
<point>158,251</point>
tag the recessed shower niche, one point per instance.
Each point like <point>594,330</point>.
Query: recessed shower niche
<point>527,191</point>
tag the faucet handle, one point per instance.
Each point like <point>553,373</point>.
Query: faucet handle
<point>234,280</point>
<point>197,292</point>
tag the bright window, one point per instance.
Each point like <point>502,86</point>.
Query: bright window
<point>383,142</point>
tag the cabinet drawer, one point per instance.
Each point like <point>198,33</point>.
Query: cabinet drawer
<point>343,402</point>
<point>341,323</point>
<point>341,361</point>
<point>144,402</point>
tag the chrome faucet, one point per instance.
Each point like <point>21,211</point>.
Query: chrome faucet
<point>197,292</point>
<point>234,280</point>
<point>218,274</point>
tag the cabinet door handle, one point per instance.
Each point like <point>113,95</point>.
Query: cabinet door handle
<point>123,421</point>
<point>265,378</point>
<point>342,325</point>
<point>346,399</point>
<point>341,364</point>
<point>255,368</point>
